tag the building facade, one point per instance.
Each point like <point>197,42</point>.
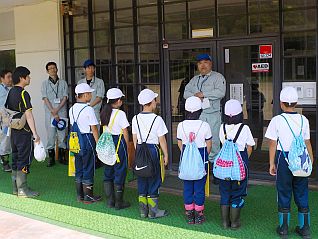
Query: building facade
<point>258,45</point>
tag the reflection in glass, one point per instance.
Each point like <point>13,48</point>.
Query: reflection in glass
<point>124,35</point>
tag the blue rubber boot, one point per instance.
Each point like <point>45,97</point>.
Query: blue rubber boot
<point>303,228</point>
<point>284,218</point>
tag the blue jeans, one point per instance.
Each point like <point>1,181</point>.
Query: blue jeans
<point>85,161</point>
<point>232,192</point>
<point>118,171</point>
<point>287,184</point>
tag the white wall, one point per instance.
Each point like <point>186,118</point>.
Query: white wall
<point>38,40</point>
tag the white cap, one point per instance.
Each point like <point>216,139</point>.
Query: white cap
<point>114,93</point>
<point>39,152</point>
<point>289,95</point>
<point>232,107</point>
<point>83,88</point>
<point>193,104</point>
<point>146,96</point>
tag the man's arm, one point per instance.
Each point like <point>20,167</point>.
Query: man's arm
<point>31,123</point>
<point>219,91</point>
<point>96,101</point>
<point>190,89</point>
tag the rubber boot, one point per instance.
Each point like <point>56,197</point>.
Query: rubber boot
<point>79,192</point>
<point>62,156</point>
<point>5,163</point>
<point>199,217</point>
<point>14,182</point>
<point>51,159</point>
<point>303,228</point>
<point>283,217</point>
<point>235,218</point>
<point>143,206</point>
<point>225,214</point>
<point>23,189</point>
<point>119,198</point>
<point>110,194</point>
<point>154,211</point>
<point>89,197</point>
<point>190,216</point>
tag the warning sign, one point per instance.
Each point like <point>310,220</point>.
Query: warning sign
<point>265,51</point>
<point>260,67</point>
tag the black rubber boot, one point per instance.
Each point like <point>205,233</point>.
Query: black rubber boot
<point>14,182</point>
<point>119,198</point>
<point>5,163</point>
<point>110,194</point>
<point>199,217</point>
<point>283,217</point>
<point>143,206</point>
<point>154,211</point>
<point>51,159</point>
<point>235,218</point>
<point>190,216</point>
<point>225,213</point>
<point>22,186</point>
<point>89,197</point>
<point>303,228</point>
<point>79,192</point>
<point>62,156</point>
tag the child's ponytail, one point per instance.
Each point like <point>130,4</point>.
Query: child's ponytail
<point>106,111</point>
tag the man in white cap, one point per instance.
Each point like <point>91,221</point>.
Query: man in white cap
<point>210,87</point>
<point>143,124</point>
<point>280,132</point>
<point>84,116</point>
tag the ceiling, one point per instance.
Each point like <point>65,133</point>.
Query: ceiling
<point>13,3</point>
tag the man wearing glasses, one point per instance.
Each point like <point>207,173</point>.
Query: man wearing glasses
<point>54,94</point>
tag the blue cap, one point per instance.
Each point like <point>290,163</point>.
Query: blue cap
<point>203,56</point>
<point>88,62</point>
<point>60,125</point>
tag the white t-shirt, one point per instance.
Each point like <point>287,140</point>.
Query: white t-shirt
<point>145,120</point>
<point>278,129</point>
<point>245,138</point>
<point>86,118</point>
<point>201,135</point>
<point>120,122</point>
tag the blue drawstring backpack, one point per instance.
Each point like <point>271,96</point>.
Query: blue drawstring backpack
<point>298,159</point>
<point>191,166</point>
<point>228,164</point>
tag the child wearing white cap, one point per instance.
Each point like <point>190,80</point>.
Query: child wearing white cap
<point>115,120</point>
<point>194,129</point>
<point>147,122</point>
<point>84,116</point>
<point>280,132</point>
<point>232,191</point>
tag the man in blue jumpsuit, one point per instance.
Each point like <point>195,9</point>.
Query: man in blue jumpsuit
<point>210,87</point>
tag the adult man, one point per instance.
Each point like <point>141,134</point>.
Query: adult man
<point>5,146</point>
<point>54,94</point>
<point>210,87</point>
<point>95,83</point>
<point>22,140</point>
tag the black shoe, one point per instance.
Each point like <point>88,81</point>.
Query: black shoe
<point>190,216</point>
<point>79,192</point>
<point>225,214</point>
<point>119,198</point>
<point>89,197</point>
<point>62,156</point>
<point>110,194</point>
<point>235,218</point>
<point>51,159</point>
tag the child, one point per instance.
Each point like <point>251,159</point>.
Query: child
<point>85,117</point>
<point>148,188</point>
<point>200,132</point>
<point>115,120</point>
<point>286,183</point>
<point>232,191</point>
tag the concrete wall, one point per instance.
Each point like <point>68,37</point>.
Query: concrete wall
<point>38,40</point>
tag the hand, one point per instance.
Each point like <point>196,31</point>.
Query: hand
<point>36,139</point>
<point>272,170</point>
<point>199,94</point>
<point>56,117</point>
<point>165,160</point>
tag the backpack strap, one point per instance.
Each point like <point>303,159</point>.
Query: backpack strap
<point>196,132</point>
<point>238,133</point>
<point>149,130</point>
<point>224,131</point>
<point>113,121</point>
<point>301,127</point>
<point>78,113</point>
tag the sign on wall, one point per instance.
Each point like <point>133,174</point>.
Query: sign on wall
<point>265,51</point>
<point>306,92</point>
<point>260,67</point>
<point>236,92</point>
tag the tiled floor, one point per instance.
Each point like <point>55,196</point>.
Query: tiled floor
<point>14,226</point>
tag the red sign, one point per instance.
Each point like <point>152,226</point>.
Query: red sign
<point>260,67</point>
<point>265,51</point>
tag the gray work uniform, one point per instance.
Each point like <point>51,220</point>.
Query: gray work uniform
<point>55,94</point>
<point>213,87</point>
<point>99,87</point>
<point>5,145</point>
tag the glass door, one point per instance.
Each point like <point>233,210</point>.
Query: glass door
<point>181,68</point>
<point>252,78</point>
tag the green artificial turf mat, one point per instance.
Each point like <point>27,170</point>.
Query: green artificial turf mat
<point>57,201</point>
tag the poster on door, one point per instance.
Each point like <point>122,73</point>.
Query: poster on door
<point>236,92</point>
<point>265,51</point>
<point>260,67</point>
